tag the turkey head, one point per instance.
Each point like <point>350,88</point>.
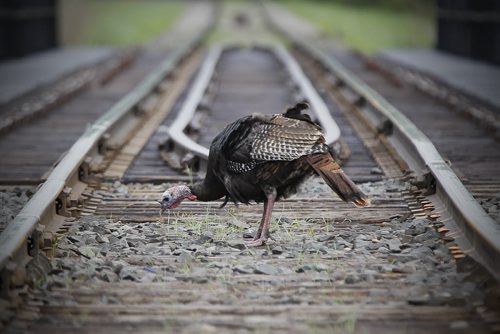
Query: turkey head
<point>173,196</point>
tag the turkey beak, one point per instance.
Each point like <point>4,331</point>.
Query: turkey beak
<point>163,205</point>
<point>163,208</point>
<point>167,205</point>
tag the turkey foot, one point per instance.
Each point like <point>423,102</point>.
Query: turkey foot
<point>256,243</point>
<point>263,231</point>
<point>258,240</point>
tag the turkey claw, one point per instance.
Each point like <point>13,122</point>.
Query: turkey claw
<point>256,242</point>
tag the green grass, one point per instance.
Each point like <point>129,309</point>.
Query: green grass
<point>369,28</point>
<point>116,22</point>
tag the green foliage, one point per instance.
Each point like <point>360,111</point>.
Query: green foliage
<point>368,27</point>
<point>423,5</point>
<point>116,22</point>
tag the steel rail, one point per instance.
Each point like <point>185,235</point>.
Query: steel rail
<point>482,233</point>
<point>480,230</point>
<point>193,99</point>
<point>195,95</point>
<point>42,205</point>
<point>318,105</point>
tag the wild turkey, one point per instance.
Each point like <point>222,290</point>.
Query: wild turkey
<point>263,158</point>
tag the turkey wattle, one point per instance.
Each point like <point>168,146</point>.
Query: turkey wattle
<point>264,158</point>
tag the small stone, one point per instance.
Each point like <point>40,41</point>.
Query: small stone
<point>218,265</point>
<point>400,258</point>
<point>128,274</point>
<point>394,244</point>
<point>374,246</point>
<point>248,234</point>
<point>360,243</point>
<point>304,268</point>
<point>429,235</point>
<point>383,250</point>
<point>121,243</point>
<point>185,258</point>
<point>338,275</point>
<point>417,226</point>
<point>417,278</point>
<point>195,248</point>
<point>118,266</point>
<point>288,221</point>
<point>113,239</point>
<point>403,269</point>
<point>418,298</point>
<point>109,276</point>
<point>83,274</point>
<point>199,279</point>
<point>432,244</point>
<point>237,244</point>
<point>148,277</point>
<point>213,250</point>
<point>442,253</point>
<point>405,239</point>
<point>101,239</point>
<point>323,250</point>
<point>421,252</point>
<point>312,247</point>
<point>265,269</point>
<point>324,238</point>
<point>206,237</point>
<point>104,250</point>
<point>131,243</point>
<point>376,171</point>
<point>243,269</point>
<point>320,267</point>
<point>351,279</point>
<point>277,250</point>
<point>75,239</point>
<point>384,233</point>
<point>87,251</point>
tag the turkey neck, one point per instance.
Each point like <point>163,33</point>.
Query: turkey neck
<point>209,189</point>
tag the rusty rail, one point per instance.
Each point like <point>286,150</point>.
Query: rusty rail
<point>41,209</point>
<point>193,99</point>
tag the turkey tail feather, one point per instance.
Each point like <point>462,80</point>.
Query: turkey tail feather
<point>335,177</point>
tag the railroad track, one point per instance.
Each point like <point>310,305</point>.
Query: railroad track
<point>98,257</point>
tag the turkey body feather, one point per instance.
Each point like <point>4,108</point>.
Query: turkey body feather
<point>258,153</point>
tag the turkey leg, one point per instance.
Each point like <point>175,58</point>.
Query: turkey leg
<point>263,231</point>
